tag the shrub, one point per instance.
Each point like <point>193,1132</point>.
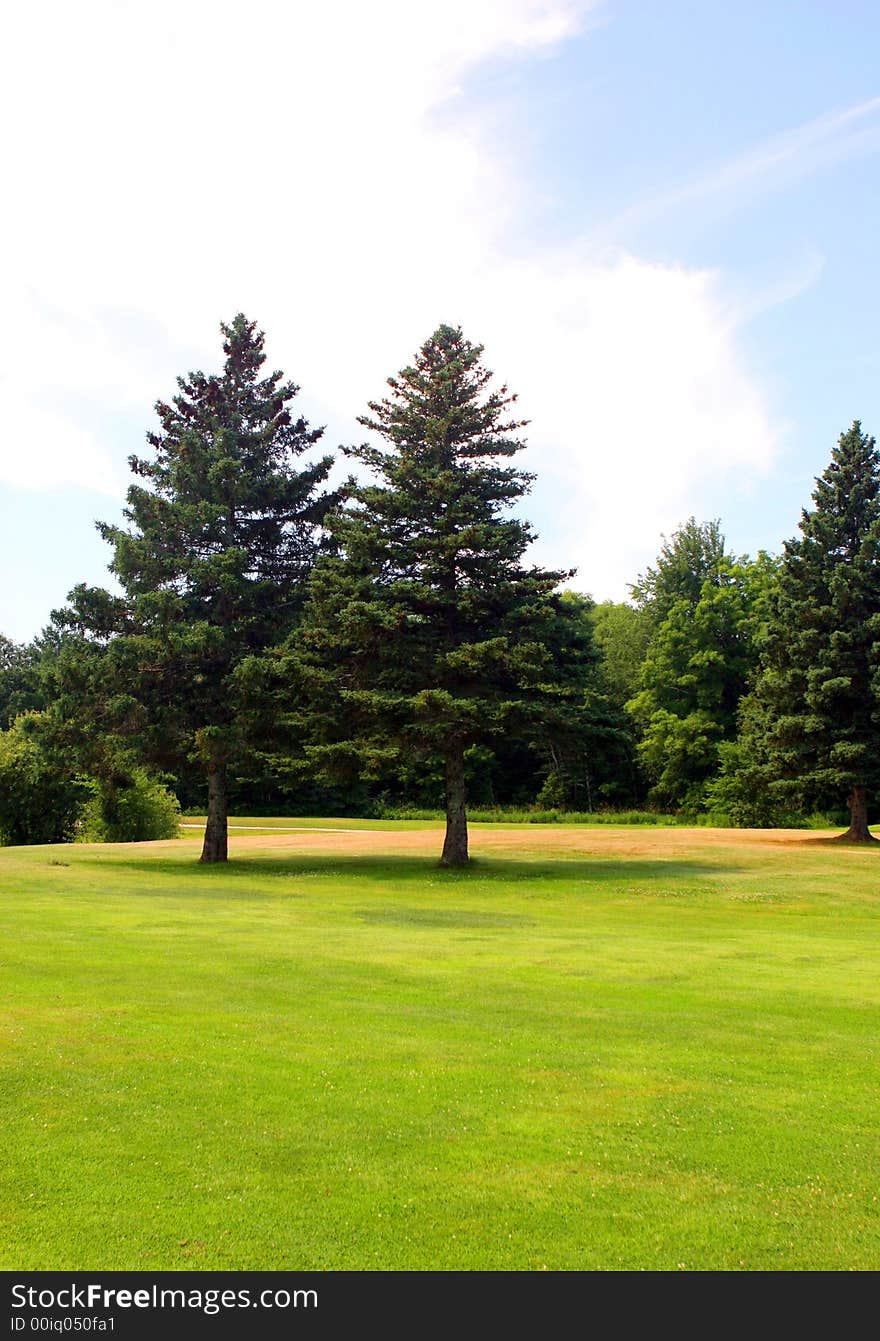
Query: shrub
<point>517,815</point>
<point>716,819</point>
<point>634,817</point>
<point>40,798</point>
<point>829,819</point>
<point>552,794</point>
<point>133,808</point>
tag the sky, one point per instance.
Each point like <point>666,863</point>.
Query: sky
<point>659,219</point>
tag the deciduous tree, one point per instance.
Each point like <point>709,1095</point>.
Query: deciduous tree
<point>698,663</point>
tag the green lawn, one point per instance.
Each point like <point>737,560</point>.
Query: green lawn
<point>654,1058</point>
<point>262,824</point>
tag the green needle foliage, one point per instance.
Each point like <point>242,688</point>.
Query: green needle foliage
<point>426,635</point>
<point>812,722</point>
<point>589,757</point>
<point>221,537</point>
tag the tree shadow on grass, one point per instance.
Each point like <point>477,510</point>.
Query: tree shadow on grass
<point>840,840</point>
<point>393,870</point>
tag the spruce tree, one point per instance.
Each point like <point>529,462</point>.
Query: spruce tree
<point>426,635</point>
<point>816,707</point>
<point>213,565</point>
<point>588,760</point>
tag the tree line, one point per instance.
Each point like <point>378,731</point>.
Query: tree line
<point>276,643</point>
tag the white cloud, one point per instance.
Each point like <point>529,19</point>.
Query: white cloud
<point>773,165</point>
<point>322,168</point>
<point>638,400</point>
<point>45,450</point>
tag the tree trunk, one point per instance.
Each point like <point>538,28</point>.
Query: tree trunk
<point>858,831</point>
<point>214,848</point>
<point>455,846</point>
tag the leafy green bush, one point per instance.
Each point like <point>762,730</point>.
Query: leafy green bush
<point>829,819</point>
<point>716,819</point>
<point>514,815</point>
<point>40,799</point>
<point>634,817</point>
<point>131,809</point>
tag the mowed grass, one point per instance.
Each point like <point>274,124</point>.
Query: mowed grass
<point>263,825</point>
<point>592,1050</point>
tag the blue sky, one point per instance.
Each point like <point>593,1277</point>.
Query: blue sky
<point>660,219</point>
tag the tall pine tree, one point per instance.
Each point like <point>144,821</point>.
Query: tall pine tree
<point>816,707</point>
<point>213,565</point>
<point>427,635</point>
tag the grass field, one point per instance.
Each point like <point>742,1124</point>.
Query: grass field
<point>596,1049</point>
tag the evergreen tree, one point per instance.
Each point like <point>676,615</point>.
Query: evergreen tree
<point>589,759</point>
<point>426,635</point>
<point>213,566</point>
<point>816,707</point>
